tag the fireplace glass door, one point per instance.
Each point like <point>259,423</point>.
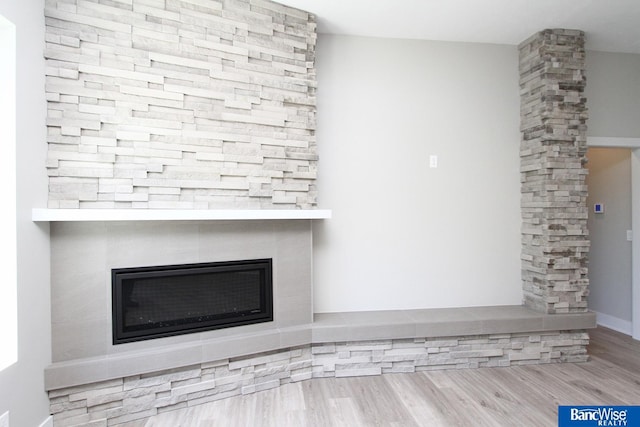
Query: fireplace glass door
<point>153,302</point>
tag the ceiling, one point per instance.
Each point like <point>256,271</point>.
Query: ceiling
<point>610,25</point>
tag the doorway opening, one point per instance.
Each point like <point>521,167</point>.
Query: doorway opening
<point>631,324</point>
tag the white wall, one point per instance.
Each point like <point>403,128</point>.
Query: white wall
<point>613,94</point>
<point>22,384</point>
<point>403,235</point>
<point>609,182</point>
<point>613,98</point>
<point>8,261</point>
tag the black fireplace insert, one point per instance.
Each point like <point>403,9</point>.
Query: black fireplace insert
<point>154,302</point>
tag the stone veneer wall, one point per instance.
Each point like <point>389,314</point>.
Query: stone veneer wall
<point>189,104</point>
<point>554,193</point>
<point>125,399</point>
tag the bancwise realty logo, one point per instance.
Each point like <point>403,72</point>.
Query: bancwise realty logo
<point>586,416</point>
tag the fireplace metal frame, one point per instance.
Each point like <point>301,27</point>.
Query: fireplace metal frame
<point>120,275</point>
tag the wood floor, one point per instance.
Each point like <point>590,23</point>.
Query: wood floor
<point>516,396</point>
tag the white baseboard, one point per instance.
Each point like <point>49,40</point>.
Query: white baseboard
<point>611,322</point>
<point>47,423</point>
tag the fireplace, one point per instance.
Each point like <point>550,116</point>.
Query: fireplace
<point>160,301</point>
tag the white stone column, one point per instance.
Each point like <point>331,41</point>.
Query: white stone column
<point>555,240</point>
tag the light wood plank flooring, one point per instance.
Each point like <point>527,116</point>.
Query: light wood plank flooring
<point>516,396</point>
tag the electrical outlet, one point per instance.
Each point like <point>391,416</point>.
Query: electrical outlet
<point>4,419</point>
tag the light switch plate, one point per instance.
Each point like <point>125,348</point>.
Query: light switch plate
<point>630,235</point>
<point>433,161</point>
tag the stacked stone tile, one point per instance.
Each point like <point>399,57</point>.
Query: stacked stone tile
<point>141,396</point>
<point>349,359</point>
<point>189,104</point>
<point>133,398</point>
<point>553,147</point>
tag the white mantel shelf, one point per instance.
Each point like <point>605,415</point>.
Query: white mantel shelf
<point>58,215</point>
